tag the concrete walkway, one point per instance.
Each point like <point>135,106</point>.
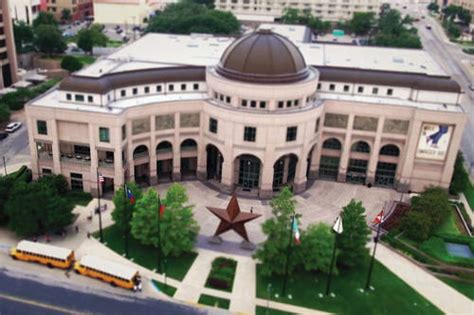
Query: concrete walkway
<point>448,300</point>
<point>289,308</point>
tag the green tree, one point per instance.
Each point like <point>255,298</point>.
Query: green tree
<point>316,248</point>
<point>352,242</point>
<point>6,185</point>
<point>460,179</point>
<point>23,34</point>
<point>56,182</point>
<point>362,22</point>
<point>71,64</point>
<point>87,39</point>
<point>277,229</point>
<point>35,209</point>
<point>123,209</point>
<point>49,40</point>
<point>44,18</point>
<point>66,15</point>
<point>178,228</point>
<point>416,225</point>
<point>16,100</point>
<point>290,16</point>
<point>207,3</point>
<point>433,6</point>
<point>4,113</point>
<point>434,201</point>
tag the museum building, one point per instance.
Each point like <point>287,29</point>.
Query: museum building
<point>252,114</point>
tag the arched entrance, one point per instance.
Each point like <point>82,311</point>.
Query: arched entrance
<point>309,160</point>
<point>164,161</point>
<point>358,163</point>
<point>387,165</point>
<point>188,159</point>
<point>284,171</point>
<point>141,160</point>
<point>214,163</point>
<point>330,159</point>
<point>248,176</point>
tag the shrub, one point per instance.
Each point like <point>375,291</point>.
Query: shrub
<point>460,179</point>
<point>4,113</point>
<point>416,225</point>
<point>57,182</point>
<point>16,100</point>
<point>71,64</point>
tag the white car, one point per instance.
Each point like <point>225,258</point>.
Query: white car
<point>13,126</point>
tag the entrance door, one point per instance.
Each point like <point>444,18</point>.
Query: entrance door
<point>249,172</point>
<point>385,174</point>
<point>329,167</point>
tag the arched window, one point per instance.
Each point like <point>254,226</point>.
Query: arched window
<point>164,146</point>
<point>139,151</point>
<point>188,144</point>
<point>360,146</point>
<point>390,150</point>
<point>332,144</point>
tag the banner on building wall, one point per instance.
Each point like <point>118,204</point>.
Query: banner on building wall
<point>434,141</point>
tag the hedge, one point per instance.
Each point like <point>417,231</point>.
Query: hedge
<point>400,245</point>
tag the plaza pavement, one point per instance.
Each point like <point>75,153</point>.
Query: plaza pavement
<point>322,202</point>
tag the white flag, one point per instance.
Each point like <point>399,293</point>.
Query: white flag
<point>337,227</point>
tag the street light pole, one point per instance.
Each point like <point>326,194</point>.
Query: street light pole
<point>5,165</point>
<point>371,267</point>
<point>100,212</point>
<point>159,235</point>
<point>328,285</point>
<point>125,211</point>
<point>288,252</point>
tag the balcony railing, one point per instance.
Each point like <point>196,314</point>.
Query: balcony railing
<point>76,158</point>
<point>44,155</point>
<point>106,163</point>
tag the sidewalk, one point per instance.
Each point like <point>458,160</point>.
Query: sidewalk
<point>448,300</point>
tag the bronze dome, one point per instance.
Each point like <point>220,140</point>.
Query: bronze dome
<point>263,57</point>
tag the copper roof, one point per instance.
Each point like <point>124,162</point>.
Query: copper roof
<point>263,57</point>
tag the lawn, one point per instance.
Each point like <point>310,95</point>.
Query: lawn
<point>78,197</point>
<point>146,256</point>
<point>214,301</point>
<point>465,288</point>
<point>391,294</point>
<point>221,276</point>
<point>469,194</point>
<point>165,288</point>
<point>260,310</point>
<point>86,60</point>
<point>449,226</point>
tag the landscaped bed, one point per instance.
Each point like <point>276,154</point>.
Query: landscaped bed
<point>391,294</point>
<point>214,301</point>
<point>221,276</point>
<point>260,310</point>
<point>165,288</point>
<point>146,256</point>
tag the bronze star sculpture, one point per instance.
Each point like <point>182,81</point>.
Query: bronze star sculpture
<point>232,218</point>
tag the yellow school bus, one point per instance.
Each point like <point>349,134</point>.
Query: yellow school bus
<point>108,271</point>
<point>51,256</point>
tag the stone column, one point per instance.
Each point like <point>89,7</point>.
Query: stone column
<point>94,167</point>
<point>131,162</point>
<point>55,148</point>
<point>153,174</point>
<point>315,158</point>
<point>118,163</point>
<point>408,158</point>
<point>374,153</point>
<point>36,172</point>
<point>201,171</point>
<point>346,151</point>
<point>300,177</point>
<point>266,173</point>
<point>176,150</point>
<point>286,164</point>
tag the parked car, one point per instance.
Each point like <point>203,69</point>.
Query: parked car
<point>3,135</point>
<point>13,126</point>
<point>428,27</point>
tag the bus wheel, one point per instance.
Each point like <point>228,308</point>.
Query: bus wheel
<point>14,257</point>
<point>113,284</point>
<point>77,271</point>
<point>49,266</point>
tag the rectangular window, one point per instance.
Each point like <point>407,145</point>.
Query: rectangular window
<point>195,86</point>
<point>250,134</point>
<point>316,128</point>
<point>296,102</point>
<point>68,96</point>
<point>360,89</point>
<point>288,103</point>
<point>291,133</point>
<point>90,99</point>
<point>244,103</point>
<point>346,88</point>
<point>146,90</point>
<point>183,87</point>
<point>79,98</point>
<point>158,88</point>
<point>124,132</point>
<point>281,104</point>
<point>104,135</point>
<point>76,181</point>
<point>253,104</point>
<point>134,91</point>
<point>263,104</point>
<point>46,171</point>
<point>123,93</point>
<point>42,127</point>
<point>319,86</point>
<point>389,92</point>
<point>213,125</point>
<point>227,99</point>
<point>332,87</point>
<point>375,90</point>
<point>171,87</point>
<point>221,97</point>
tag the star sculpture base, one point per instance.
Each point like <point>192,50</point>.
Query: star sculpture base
<point>232,218</point>
<point>247,245</point>
<point>215,240</point>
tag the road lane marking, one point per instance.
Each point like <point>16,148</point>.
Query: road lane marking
<point>38,304</point>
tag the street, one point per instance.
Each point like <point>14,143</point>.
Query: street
<point>25,294</point>
<point>15,147</point>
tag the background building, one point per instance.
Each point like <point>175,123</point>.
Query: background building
<point>251,115</point>
<point>80,9</point>
<point>24,10</point>
<point>270,10</point>
<point>7,47</point>
<point>132,12</point>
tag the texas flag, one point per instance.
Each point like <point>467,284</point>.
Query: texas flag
<point>296,231</point>
<point>130,195</point>
<point>162,209</point>
<point>379,218</point>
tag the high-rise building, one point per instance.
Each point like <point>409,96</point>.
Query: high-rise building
<point>24,10</point>
<point>79,9</point>
<point>7,47</point>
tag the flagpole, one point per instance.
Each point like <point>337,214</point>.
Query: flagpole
<point>125,212</point>
<point>100,212</point>
<point>288,252</point>
<point>159,235</point>
<point>371,267</point>
<point>333,260</point>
